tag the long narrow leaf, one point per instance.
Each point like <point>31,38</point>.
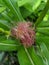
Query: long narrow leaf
<point>12,5</point>
<point>29,57</point>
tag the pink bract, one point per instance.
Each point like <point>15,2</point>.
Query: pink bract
<point>25,32</point>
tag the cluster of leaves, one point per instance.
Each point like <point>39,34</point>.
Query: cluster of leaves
<point>12,11</point>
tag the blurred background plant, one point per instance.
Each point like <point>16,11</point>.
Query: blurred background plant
<point>11,52</point>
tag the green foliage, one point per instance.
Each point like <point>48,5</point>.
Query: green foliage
<point>2,9</point>
<point>13,11</point>
<point>29,57</point>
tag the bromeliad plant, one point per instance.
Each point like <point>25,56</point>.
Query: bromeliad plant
<point>18,33</point>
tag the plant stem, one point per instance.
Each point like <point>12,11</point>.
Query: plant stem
<point>43,13</point>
